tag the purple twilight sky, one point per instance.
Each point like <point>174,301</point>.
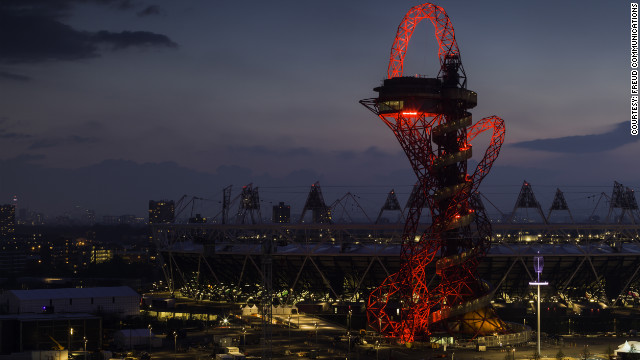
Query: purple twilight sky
<point>105,104</point>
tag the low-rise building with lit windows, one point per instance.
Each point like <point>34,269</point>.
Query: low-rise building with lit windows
<point>121,300</point>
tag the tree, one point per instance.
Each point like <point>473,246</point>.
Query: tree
<point>560,355</point>
<point>609,352</point>
<point>585,353</point>
<point>536,355</point>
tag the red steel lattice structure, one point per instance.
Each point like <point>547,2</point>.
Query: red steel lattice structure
<point>429,118</point>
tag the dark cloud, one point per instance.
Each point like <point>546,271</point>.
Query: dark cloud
<point>265,151</point>
<point>610,140</point>
<point>375,152</point>
<point>13,135</point>
<point>34,31</point>
<point>38,8</point>
<point>298,151</point>
<point>127,39</point>
<point>24,159</point>
<point>56,8</point>
<point>5,130</point>
<point>256,149</point>
<point>346,154</point>
<point>56,142</point>
<point>371,152</point>
<point>14,77</point>
<point>124,4</point>
<point>149,10</point>
<point>34,39</point>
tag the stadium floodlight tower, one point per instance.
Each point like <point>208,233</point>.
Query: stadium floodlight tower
<point>538,264</point>
<point>430,119</point>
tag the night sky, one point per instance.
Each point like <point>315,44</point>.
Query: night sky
<point>106,104</point>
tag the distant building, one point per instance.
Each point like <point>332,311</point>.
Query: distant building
<point>48,336</point>
<point>7,221</point>
<point>89,216</point>
<point>24,215</point>
<point>110,220</point>
<point>101,255</point>
<point>28,217</point>
<point>12,260</point>
<point>281,213</point>
<point>198,219</point>
<point>161,212</point>
<point>137,338</point>
<point>127,219</point>
<point>121,300</point>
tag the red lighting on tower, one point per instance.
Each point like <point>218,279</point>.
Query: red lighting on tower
<point>430,119</point>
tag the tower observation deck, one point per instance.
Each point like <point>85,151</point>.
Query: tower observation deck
<point>420,95</point>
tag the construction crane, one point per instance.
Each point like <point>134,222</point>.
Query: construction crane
<point>57,345</point>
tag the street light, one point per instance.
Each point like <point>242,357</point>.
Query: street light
<point>316,326</point>
<point>175,344</point>
<point>569,326</point>
<point>538,264</point>
<point>289,329</point>
<point>349,334</point>
<point>85,347</point>
<point>377,349</point>
<point>244,338</point>
<point>149,326</point>
<point>513,351</point>
<point>69,339</point>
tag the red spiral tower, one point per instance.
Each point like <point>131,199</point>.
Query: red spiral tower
<point>430,119</point>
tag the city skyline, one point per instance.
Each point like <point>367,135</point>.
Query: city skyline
<point>132,101</point>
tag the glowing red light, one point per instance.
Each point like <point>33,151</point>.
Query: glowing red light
<point>447,46</point>
<point>424,307</point>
